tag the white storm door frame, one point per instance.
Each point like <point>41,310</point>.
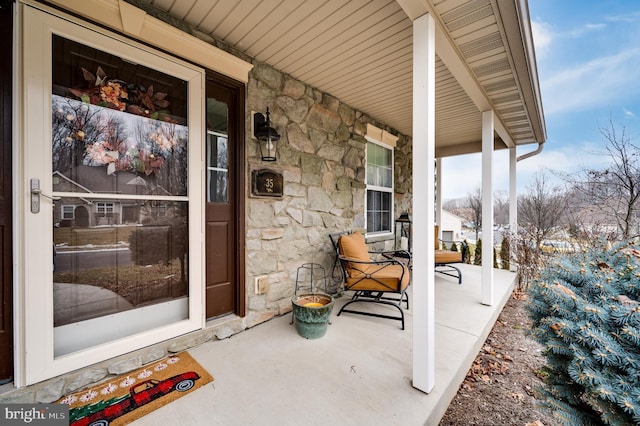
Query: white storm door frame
<point>34,271</point>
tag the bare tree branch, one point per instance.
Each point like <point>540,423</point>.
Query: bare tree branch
<point>541,209</point>
<point>474,203</point>
<point>606,201</point>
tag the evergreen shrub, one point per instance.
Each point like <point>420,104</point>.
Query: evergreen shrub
<point>477,255</point>
<point>586,313</point>
<point>505,252</point>
<point>466,252</point>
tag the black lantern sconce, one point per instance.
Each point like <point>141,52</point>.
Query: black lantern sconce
<point>403,234</point>
<point>266,135</point>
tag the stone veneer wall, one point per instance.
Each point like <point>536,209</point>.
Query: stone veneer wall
<point>321,155</point>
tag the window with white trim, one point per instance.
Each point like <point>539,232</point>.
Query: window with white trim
<point>159,208</point>
<point>68,212</point>
<point>104,209</point>
<point>379,180</point>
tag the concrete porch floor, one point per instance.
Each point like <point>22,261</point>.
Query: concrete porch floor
<point>359,373</point>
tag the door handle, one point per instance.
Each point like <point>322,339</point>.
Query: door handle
<point>36,192</point>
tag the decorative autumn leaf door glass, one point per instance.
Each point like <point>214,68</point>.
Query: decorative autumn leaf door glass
<point>120,178</point>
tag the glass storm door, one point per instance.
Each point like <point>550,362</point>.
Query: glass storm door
<point>112,203</point>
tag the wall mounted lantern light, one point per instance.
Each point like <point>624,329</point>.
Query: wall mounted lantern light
<point>266,135</point>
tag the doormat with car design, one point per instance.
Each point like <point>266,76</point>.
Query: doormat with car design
<point>125,398</point>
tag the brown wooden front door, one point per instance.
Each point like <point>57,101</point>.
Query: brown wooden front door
<point>6,308</point>
<point>224,183</point>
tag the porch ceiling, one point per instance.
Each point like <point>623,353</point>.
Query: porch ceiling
<point>360,52</point>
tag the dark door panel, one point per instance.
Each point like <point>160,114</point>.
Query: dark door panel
<point>218,256</point>
<point>220,279</point>
<point>224,292</point>
<point>221,297</point>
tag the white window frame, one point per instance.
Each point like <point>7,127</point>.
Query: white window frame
<point>212,168</point>
<point>64,210</point>
<point>389,190</point>
<point>34,335</point>
<point>159,208</point>
<point>103,208</point>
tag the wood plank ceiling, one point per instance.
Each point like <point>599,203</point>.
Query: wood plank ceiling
<point>360,51</point>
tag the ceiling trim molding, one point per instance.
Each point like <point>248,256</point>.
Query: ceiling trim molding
<point>467,148</point>
<point>380,135</point>
<point>150,30</point>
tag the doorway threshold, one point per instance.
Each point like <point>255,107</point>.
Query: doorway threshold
<point>225,326</point>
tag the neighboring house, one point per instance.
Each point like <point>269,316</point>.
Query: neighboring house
<point>364,97</point>
<point>85,210</point>
<point>451,226</point>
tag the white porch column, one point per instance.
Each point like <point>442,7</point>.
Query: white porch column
<point>438,201</point>
<point>487,208</point>
<point>424,62</point>
<point>513,200</point>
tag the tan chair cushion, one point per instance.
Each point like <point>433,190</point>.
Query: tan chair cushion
<point>448,256</point>
<point>353,246</point>
<point>383,277</point>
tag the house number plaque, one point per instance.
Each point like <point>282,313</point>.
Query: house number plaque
<point>266,183</point>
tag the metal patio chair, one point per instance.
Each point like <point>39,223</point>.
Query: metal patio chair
<point>444,259</point>
<point>372,281</point>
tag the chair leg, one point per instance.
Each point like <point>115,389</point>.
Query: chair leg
<point>372,314</point>
<point>448,272</point>
<point>378,295</point>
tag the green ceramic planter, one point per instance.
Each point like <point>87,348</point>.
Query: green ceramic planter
<point>311,312</point>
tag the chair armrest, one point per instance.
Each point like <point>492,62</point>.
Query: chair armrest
<point>392,253</point>
<point>370,262</point>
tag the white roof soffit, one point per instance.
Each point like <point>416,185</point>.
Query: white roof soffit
<point>360,52</point>
<point>457,49</point>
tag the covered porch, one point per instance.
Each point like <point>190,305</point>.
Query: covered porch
<point>449,77</point>
<point>358,373</point>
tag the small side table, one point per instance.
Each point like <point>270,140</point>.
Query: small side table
<point>309,277</point>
